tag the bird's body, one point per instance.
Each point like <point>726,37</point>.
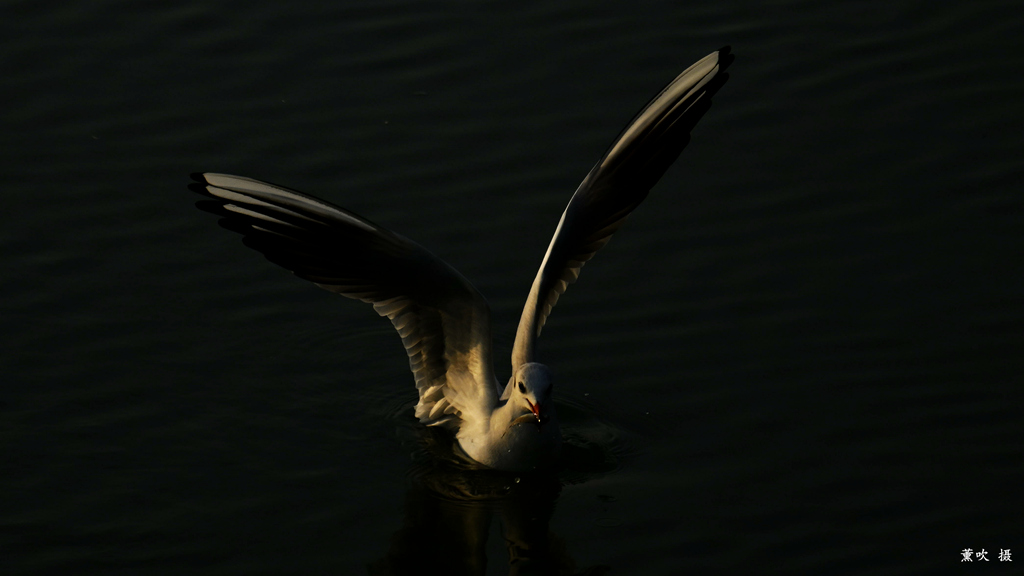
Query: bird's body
<point>521,432</point>
<point>444,322</point>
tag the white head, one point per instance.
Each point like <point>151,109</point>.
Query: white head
<point>531,391</point>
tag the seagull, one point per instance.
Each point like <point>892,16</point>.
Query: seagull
<point>444,322</point>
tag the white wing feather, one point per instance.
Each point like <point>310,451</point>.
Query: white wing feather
<point>442,319</point>
<point>635,161</point>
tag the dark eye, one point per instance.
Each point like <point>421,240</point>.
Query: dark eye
<point>522,388</point>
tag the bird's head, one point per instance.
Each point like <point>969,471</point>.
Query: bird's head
<point>531,391</point>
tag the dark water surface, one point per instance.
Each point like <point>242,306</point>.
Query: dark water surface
<point>801,355</point>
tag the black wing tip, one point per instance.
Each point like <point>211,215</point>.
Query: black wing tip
<point>212,206</point>
<point>200,189</point>
<point>199,177</point>
<point>725,57</point>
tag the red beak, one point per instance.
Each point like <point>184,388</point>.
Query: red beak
<point>535,408</point>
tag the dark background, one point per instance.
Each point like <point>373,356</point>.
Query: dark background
<point>802,354</point>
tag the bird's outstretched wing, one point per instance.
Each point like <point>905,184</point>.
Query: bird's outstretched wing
<point>615,186</point>
<point>443,320</point>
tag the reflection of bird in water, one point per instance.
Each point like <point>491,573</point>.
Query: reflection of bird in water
<point>443,320</point>
<point>450,512</point>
